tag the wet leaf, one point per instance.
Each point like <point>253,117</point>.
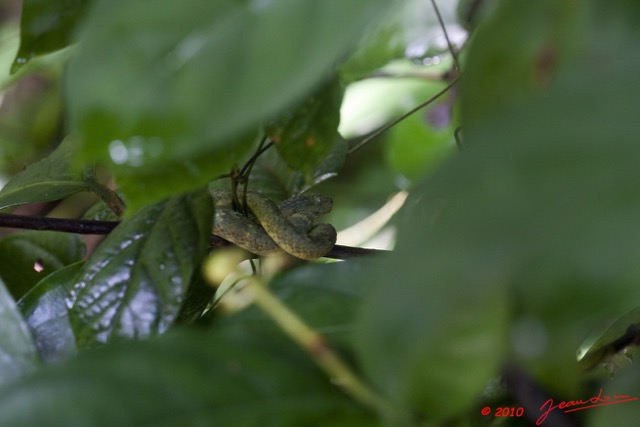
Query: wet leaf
<point>134,284</point>
<point>18,354</point>
<point>238,376</point>
<point>51,178</point>
<point>46,314</point>
<point>47,26</point>
<point>142,184</point>
<point>29,256</point>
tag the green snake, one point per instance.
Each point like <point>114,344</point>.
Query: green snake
<point>273,228</point>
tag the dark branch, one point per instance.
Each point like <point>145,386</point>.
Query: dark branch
<point>85,226</point>
<point>79,226</point>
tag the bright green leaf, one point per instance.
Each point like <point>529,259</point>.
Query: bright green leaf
<point>18,354</point>
<point>51,178</point>
<point>235,377</point>
<point>45,311</point>
<point>46,26</point>
<point>29,256</point>
<point>154,83</point>
<point>134,283</point>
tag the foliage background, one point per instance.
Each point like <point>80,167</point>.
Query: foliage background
<point>511,249</point>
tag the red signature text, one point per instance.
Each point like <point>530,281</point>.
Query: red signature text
<point>578,405</point>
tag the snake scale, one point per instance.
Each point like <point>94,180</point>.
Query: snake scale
<point>273,228</point>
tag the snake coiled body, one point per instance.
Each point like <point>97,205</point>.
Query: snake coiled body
<point>274,228</point>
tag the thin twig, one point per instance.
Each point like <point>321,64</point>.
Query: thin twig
<point>389,125</point>
<point>446,36</point>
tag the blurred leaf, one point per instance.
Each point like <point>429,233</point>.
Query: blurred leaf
<point>371,103</point>
<point>45,311</point>
<point>620,414</point>
<point>428,338</point>
<point>559,196</point>
<point>48,179</point>
<point>542,38</point>
<point>416,148</point>
<point>233,377</point>
<point>18,354</point>
<point>541,214</point>
<point>134,283</point>
<point>46,26</point>
<point>177,83</point>
<point>29,256</point>
<point>304,135</point>
<point>142,185</point>
<point>325,296</point>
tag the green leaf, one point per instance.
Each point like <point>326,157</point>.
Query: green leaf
<point>560,197</point>
<point>507,70</point>
<point>29,256</point>
<point>271,175</point>
<point>160,83</point>
<point>45,311</point>
<point>537,218</point>
<point>325,296</point>
<point>47,26</point>
<point>143,185</point>
<point>622,413</point>
<point>134,283</point>
<point>304,135</point>
<point>238,376</point>
<point>196,300</point>
<point>51,178</point>
<point>427,337</point>
<point>18,354</point>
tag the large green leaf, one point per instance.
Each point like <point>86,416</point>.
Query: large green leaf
<point>154,83</point>
<point>18,354</point>
<point>134,283</point>
<point>538,218</point>
<point>51,178</point>
<point>542,37</point>
<point>238,376</point>
<point>29,256</point>
<point>45,311</point>
<point>433,331</point>
<point>46,26</point>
